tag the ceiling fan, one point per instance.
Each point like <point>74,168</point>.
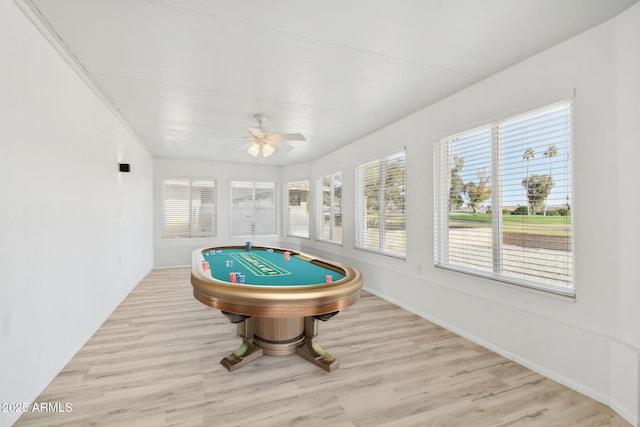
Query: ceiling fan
<point>263,140</point>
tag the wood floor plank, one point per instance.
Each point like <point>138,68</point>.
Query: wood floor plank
<point>155,362</point>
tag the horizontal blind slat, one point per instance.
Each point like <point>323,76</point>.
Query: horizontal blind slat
<point>330,213</point>
<point>380,213</point>
<point>189,208</point>
<point>298,209</point>
<point>531,156</point>
<point>253,208</point>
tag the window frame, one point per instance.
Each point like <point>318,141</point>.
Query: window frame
<point>288,206</point>
<point>190,185</point>
<point>361,208</point>
<point>498,179</point>
<point>320,213</point>
<point>253,187</point>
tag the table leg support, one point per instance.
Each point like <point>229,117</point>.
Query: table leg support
<point>247,351</point>
<point>311,351</point>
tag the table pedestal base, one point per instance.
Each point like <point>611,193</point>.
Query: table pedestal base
<point>248,350</point>
<point>278,337</point>
<point>311,351</point>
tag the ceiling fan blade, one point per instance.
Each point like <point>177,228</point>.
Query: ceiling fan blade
<point>288,137</point>
<point>244,147</point>
<point>230,138</point>
<point>256,133</point>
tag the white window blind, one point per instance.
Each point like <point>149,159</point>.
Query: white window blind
<point>380,212</point>
<point>503,200</point>
<point>253,208</point>
<point>298,209</point>
<point>189,208</point>
<point>330,212</point>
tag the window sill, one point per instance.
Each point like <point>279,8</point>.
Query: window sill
<point>565,293</point>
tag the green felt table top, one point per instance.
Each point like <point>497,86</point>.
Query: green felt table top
<point>265,268</point>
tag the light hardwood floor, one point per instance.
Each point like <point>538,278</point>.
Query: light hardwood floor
<point>155,362</point>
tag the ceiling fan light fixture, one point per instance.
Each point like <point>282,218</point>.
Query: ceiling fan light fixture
<point>263,140</point>
<point>254,149</point>
<point>268,150</point>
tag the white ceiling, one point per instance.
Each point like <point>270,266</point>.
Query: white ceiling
<point>189,75</point>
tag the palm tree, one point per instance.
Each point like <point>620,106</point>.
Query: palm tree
<point>551,152</point>
<point>528,155</point>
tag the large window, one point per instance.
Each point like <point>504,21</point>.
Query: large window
<point>253,208</point>
<point>503,200</point>
<point>380,211</point>
<point>330,213</point>
<point>298,209</point>
<point>189,208</point>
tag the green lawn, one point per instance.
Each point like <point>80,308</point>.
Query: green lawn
<point>531,224</point>
<point>519,219</point>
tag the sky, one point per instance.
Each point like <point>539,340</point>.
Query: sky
<point>538,130</point>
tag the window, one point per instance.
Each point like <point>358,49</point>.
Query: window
<point>189,208</point>
<point>330,212</point>
<point>503,200</point>
<point>298,209</point>
<point>253,209</point>
<point>380,214</point>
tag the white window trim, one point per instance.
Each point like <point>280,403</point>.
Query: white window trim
<point>287,208</point>
<point>441,203</point>
<point>276,219</point>
<point>163,213</point>
<point>320,210</point>
<point>361,211</point>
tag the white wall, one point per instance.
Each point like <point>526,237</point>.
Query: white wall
<point>593,343</point>
<point>627,314</point>
<point>76,234</point>
<point>177,252</point>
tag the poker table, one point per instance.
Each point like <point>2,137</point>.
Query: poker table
<point>277,307</point>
